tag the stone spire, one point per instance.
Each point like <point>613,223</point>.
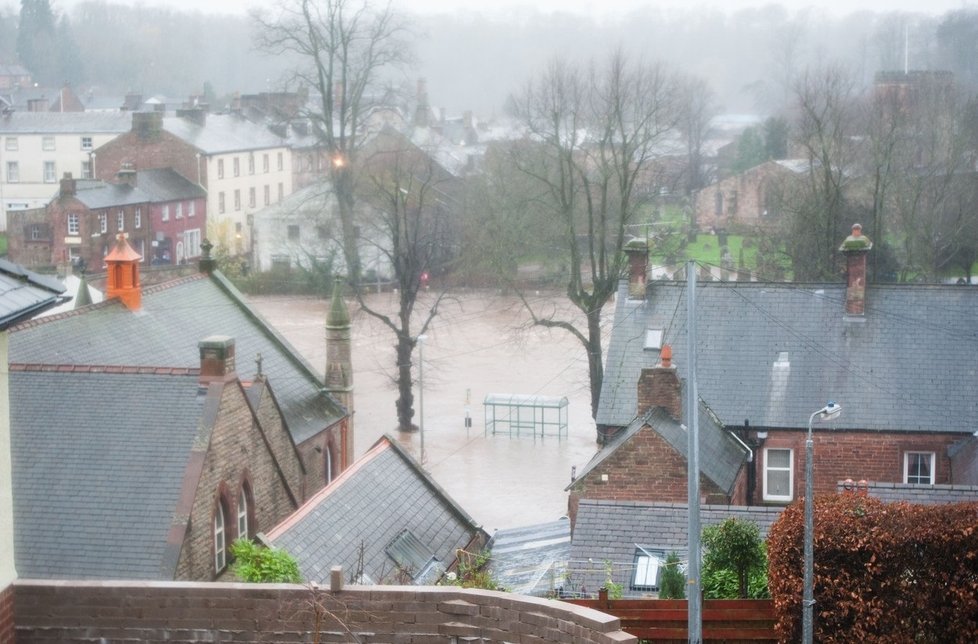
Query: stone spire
<point>339,365</point>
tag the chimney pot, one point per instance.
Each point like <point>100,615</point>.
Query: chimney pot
<point>665,356</point>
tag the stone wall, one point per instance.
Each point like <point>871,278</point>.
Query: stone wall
<point>46,611</point>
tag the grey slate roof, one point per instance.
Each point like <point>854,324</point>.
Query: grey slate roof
<point>24,293</point>
<point>609,531</point>
<point>775,352</point>
<point>923,494</point>
<point>222,133</point>
<point>372,503</point>
<point>94,497</point>
<point>531,560</point>
<point>65,123</point>
<point>165,332</point>
<point>152,186</point>
<point>721,457</point>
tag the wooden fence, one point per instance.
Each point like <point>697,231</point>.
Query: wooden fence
<point>665,620</point>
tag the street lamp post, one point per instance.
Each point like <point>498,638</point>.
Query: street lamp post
<point>830,411</point>
<point>421,339</point>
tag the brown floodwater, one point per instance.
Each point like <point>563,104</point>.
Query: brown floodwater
<point>480,343</point>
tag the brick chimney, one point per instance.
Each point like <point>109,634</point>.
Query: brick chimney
<point>68,186</point>
<point>147,125</point>
<point>127,173</point>
<point>122,274</point>
<point>855,247</point>
<point>216,358</point>
<point>637,251</point>
<point>207,264</point>
<point>660,386</point>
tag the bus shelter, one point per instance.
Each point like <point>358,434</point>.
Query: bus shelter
<point>525,414</point>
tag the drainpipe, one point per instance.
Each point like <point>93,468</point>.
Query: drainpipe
<point>750,460</point>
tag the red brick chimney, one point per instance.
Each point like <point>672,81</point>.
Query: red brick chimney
<point>122,276</point>
<point>855,247</point>
<point>637,251</point>
<point>660,386</point>
<point>68,186</point>
<point>216,358</point>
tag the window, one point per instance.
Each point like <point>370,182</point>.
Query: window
<point>220,202</point>
<point>268,195</point>
<point>648,564</point>
<point>179,207</point>
<point>251,163</point>
<point>281,191</point>
<point>293,232</point>
<point>86,143</point>
<point>778,474</point>
<point>281,161</point>
<point>141,249</point>
<point>103,222</point>
<point>121,220</point>
<point>13,172</point>
<point>251,197</point>
<point>137,218</point>
<point>73,228</point>
<point>50,175</point>
<point>244,507</point>
<point>191,208</point>
<point>191,242</point>
<point>237,200</point>
<point>86,169</point>
<point>220,537</point>
<point>220,168</point>
<point>264,163</point>
<point>918,468</point>
<point>47,143</point>
<point>237,167</point>
<point>10,144</point>
<point>35,232</point>
<point>166,212</point>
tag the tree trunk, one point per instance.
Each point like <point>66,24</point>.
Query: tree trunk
<point>405,400</point>
<point>594,353</point>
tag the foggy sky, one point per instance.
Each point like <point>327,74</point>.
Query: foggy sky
<point>584,7</point>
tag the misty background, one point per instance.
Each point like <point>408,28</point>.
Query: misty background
<point>473,61</point>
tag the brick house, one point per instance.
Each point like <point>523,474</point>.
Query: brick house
<point>751,198</point>
<point>186,448</point>
<point>897,358</point>
<point>163,214</point>
<point>242,166</point>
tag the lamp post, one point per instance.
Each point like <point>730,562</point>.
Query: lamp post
<point>830,411</point>
<point>421,339</point>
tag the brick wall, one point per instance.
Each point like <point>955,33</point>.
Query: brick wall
<point>159,150</point>
<point>964,464</point>
<point>743,198</point>
<point>21,248</point>
<point>313,452</point>
<point>280,441</point>
<point>646,469</point>
<point>236,453</point>
<point>61,611</point>
<point>7,614</point>
<point>873,456</point>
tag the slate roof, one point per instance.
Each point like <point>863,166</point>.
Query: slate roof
<point>531,560</point>
<point>81,485</point>
<point>65,123</point>
<point>721,457</point>
<point>923,494</point>
<point>152,186</point>
<point>773,353</point>
<point>222,133</point>
<point>174,317</point>
<point>24,293</point>
<point>371,503</point>
<point>609,531</point>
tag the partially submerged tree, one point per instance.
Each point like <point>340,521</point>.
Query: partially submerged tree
<point>346,47</point>
<point>592,137</point>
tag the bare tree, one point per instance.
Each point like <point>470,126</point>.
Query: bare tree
<point>345,47</point>
<point>698,107</point>
<point>592,137</point>
<point>410,207</point>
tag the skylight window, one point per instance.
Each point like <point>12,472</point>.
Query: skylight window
<point>653,339</point>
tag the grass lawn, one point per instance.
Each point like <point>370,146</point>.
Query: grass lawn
<point>706,249</point>
<point>3,244</point>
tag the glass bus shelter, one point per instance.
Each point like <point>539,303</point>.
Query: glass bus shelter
<point>523,414</point>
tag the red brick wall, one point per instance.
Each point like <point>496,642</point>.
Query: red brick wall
<point>873,456</point>
<point>743,198</point>
<point>659,387</point>
<point>162,150</point>
<point>646,469</point>
<point>236,453</point>
<point>964,465</point>
<point>21,249</point>
<point>7,615</point>
<point>183,612</point>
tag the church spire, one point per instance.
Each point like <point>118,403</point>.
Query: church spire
<point>339,363</point>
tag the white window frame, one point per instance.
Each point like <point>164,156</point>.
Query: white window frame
<point>220,168</point>
<point>191,242</point>
<point>137,218</point>
<point>13,172</point>
<point>10,144</point>
<point>191,208</point>
<point>236,164</point>
<point>86,169</point>
<point>264,163</point>
<point>221,206</point>
<point>52,176</point>
<point>647,566</point>
<point>86,143</point>
<point>48,144</point>
<point>237,199</point>
<point>120,219</point>
<point>74,223</point>
<point>166,212</point>
<point>243,513</point>
<point>281,161</point>
<point>179,213</point>
<point>791,474</point>
<point>251,197</point>
<point>932,465</point>
<point>220,539</point>
<point>103,222</point>
<point>35,232</point>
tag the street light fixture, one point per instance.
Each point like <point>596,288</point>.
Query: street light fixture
<point>421,339</point>
<point>829,412</point>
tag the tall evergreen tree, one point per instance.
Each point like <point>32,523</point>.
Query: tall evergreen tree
<point>37,42</point>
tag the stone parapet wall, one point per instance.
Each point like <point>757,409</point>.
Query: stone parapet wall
<point>78,611</point>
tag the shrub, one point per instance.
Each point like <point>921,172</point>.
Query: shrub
<point>735,564</point>
<point>672,582</point>
<point>257,564</point>
<point>472,572</point>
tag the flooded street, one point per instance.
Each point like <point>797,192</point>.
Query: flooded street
<point>479,344</point>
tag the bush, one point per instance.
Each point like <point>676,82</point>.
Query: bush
<point>257,564</point>
<point>884,572</point>
<point>672,582</point>
<point>735,564</point>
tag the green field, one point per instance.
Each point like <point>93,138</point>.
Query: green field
<point>3,244</point>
